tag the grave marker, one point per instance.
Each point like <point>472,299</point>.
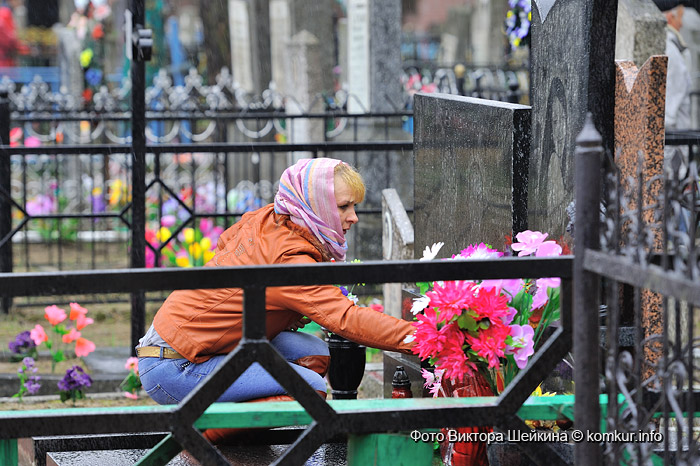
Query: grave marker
<point>470,157</point>
<point>639,128</point>
<point>572,72</point>
<point>374,59</point>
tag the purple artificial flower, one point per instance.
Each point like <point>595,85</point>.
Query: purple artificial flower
<point>75,379</point>
<point>344,290</point>
<point>98,203</point>
<point>32,385</point>
<point>22,343</point>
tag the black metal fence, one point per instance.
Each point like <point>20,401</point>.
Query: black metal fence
<point>644,264</point>
<point>254,347</point>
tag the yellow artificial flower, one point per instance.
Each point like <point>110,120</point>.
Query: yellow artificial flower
<point>115,192</point>
<point>195,250</point>
<point>189,235</point>
<point>538,392</point>
<point>183,262</point>
<point>208,256</point>
<point>206,243</point>
<point>163,234</point>
<point>86,57</point>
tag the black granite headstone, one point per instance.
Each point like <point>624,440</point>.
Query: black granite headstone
<point>469,154</point>
<point>572,72</point>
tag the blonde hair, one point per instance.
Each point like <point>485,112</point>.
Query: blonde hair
<point>352,178</point>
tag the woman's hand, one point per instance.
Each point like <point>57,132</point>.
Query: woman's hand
<point>299,324</point>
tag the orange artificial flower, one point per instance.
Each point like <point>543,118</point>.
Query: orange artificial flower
<point>76,310</point>
<point>82,322</point>
<point>83,347</point>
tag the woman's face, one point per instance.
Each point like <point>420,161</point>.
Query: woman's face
<point>345,201</point>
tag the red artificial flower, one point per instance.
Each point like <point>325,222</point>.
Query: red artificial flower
<point>98,32</point>
<point>455,363</point>
<point>429,340</point>
<point>451,298</point>
<point>490,304</point>
<point>490,343</point>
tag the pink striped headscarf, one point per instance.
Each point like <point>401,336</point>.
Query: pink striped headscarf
<point>307,194</point>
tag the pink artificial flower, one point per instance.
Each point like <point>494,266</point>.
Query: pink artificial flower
<point>529,241</point>
<point>168,221</point>
<point>490,344</point>
<point>513,286</point>
<point>548,249</point>
<point>433,381</point>
<point>523,344</point>
<point>540,298</point>
<point>83,347</point>
<point>377,307</point>
<point>132,364</point>
<point>83,322</point>
<point>550,282</point>
<point>451,298</point>
<point>205,225</point>
<point>133,396</point>
<point>38,335</point>
<point>54,314</point>
<point>76,310</point>
<point>480,251</point>
<point>71,336</point>
<point>490,304</point>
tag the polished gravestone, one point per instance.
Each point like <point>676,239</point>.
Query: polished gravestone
<point>572,72</point>
<point>639,129</point>
<point>471,159</point>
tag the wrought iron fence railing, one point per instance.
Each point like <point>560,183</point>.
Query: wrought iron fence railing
<point>254,347</point>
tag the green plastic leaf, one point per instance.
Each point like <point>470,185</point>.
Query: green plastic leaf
<point>423,287</point>
<point>467,322</point>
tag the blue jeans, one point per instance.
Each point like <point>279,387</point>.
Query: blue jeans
<point>168,381</point>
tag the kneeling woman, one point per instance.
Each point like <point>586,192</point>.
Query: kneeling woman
<point>194,330</point>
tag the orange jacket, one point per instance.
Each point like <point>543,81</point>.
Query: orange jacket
<point>201,323</point>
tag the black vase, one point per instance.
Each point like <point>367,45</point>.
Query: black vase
<point>347,367</point>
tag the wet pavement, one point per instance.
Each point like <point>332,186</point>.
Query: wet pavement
<point>332,454</point>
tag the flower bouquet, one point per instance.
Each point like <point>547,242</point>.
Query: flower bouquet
<point>479,334</point>
<point>517,23</point>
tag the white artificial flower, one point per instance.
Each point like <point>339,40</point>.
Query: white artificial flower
<point>409,338</point>
<point>430,252</point>
<point>419,304</point>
